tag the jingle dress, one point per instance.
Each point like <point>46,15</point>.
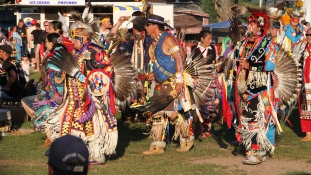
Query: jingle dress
<point>304,102</point>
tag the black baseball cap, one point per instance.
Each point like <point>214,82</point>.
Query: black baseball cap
<point>68,154</point>
<point>6,48</point>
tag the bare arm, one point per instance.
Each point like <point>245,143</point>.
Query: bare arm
<point>114,29</point>
<point>11,80</point>
<point>170,43</point>
<point>170,47</point>
<point>14,29</point>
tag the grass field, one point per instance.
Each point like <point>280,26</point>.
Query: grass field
<point>22,155</point>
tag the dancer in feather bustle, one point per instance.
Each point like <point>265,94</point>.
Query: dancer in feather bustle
<point>136,51</point>
<point>210,111</point>
<point>174,103</point>
<point>167,63</point>
<point>88,106</point>
<point>50,93</point>
<point>254,91</point>
<point>267,79</point>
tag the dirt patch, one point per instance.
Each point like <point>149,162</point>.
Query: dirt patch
<point>22,131</point>
<point>271,166</point>
<point>26,163</point>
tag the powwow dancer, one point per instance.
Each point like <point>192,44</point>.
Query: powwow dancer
<point>304,101</point>
<point>88,107</point>
<point>174,81</point>
<point>209,111</point>
<point>136,53</point>
<point>294,30</point>
<point>260,86</point>
<point>50,92</point>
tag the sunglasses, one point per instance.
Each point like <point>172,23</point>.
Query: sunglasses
<point>308,34</point>
<point>149,24</point>
<point>46,25</point>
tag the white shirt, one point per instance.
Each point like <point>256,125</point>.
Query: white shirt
<point>205,51</point>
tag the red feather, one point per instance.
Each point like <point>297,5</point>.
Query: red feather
<point>263,13</point>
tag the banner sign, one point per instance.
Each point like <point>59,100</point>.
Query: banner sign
<point>50,2</point>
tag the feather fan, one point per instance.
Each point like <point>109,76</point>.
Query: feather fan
<point>161,100</point>
<point>286,78</point>
<point>124,75</point>
<point>66,62</point>
<point>203,76</point>
<point>234,31</point>
<point>229,63</point>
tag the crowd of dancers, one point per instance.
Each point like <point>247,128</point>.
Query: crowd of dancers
<point>88,71</point>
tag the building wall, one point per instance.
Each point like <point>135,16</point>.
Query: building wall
<point>191,24</point>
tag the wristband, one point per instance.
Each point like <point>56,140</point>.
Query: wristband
<point>179,78</point>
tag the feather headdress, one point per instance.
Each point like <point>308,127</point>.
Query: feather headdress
<point>292,12</point>
<point>85,22</point>
<point>65,28</point>
<point>260,17</point>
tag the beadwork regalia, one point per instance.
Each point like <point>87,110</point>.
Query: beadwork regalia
<point>88,106</point>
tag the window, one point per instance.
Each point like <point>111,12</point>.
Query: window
<point>30,12</point>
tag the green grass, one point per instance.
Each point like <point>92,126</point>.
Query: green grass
<point>35,75</point>
<point>22,155</point>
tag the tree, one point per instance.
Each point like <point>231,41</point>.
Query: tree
<point>223,6</point>
<point>4,3</point>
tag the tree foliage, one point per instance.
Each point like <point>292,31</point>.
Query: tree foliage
<point>208,6</point>
<point>4,2</point>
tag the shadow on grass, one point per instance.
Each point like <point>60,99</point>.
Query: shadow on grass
<point>225,136</point>
<point>295,121</point>
<point>128,133</point>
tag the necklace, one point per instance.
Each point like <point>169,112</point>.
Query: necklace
<point>153,47</point>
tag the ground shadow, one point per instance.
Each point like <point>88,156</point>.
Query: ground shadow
<point>225,137</point>
<point>294,123</point>
<point>126,134</point>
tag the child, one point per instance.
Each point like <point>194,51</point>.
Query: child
<point>16,49</point>
<point>25,66</point>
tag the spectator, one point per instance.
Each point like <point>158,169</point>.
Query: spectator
<point>40,49</point>
<point>21,29</point>
<point>3,39</point>
<point>303,22</point>
<point>57,27</point>
<point>307,24</point>
<point>25,66</point>
<point>15,76</point>
<point>35,34</point>
<point>30,39</point>
<point>16,48</point>
<point>68,155</point>
<point>104,25</point>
